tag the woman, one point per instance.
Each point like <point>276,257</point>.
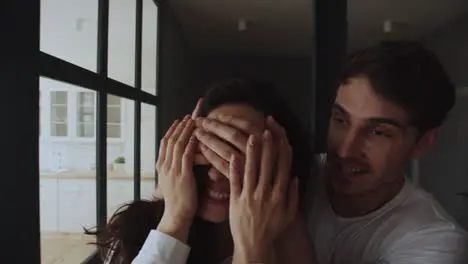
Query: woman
<point>208,234</point>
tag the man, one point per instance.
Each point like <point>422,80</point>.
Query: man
<point>391,100</point>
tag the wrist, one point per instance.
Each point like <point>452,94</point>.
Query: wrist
<point>244,254</point>
<point>175,227</point>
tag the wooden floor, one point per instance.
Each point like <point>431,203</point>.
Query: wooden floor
<point>63,248</point>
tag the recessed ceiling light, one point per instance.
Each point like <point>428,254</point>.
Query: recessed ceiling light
<point>242,24</point>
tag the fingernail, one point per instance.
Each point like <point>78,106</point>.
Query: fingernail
<point>231,161</point>
<point>251,140</point>
<point>266,135</point>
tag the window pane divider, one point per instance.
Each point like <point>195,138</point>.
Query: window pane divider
<point>137,119</point>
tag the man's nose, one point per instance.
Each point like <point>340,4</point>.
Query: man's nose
<point>351,145</point>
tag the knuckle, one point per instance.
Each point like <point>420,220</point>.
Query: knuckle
<point>171,141</point>
<point>164,141</point>
<point>224,165</point>
<point>258,196</point>
<point>178,147</point>
<point>227,153</point>
<point>277,197</point>
<point>235,135</point>
<point>185,156</point>
<point>214,124</point>
<point>165,169</point>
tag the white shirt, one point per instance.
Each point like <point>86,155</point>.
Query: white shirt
<point>160,248</point>
<point>410,229</point>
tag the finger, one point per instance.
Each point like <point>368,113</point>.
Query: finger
<point>240,124</point>
<point>215,160</point>
<point>229,134</point>
<point>276,129</point>
<point>172,140</point>
<point>234,178</point>
<point>181,144</point>
<point>197,110</point>
<point>266,164</point>
<point>189,155</point>
<point>200,159</point>
<point>251,165</point>
<point>214,173</point>
<point>283,170</point>
<point>293,198</point>
<point>223,149</point>
<point>163,144</point>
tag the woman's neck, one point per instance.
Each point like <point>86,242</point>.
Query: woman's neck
<point>213,242</point>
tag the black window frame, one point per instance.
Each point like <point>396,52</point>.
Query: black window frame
<point>26,65</point>
<point>23,63</point>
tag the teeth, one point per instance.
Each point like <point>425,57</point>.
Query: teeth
<point>355,170</point>
<point>217,195</point>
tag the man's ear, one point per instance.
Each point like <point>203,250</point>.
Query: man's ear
<point>426,143</point>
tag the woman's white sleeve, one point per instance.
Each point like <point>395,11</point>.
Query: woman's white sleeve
<point>160,248</point>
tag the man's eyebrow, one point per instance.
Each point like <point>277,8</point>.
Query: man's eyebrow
<point>340,109</point>
<point>374,121</point>
<point>388,121</point>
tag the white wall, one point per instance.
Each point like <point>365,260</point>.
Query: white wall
<point>444,171</point>
<point>68,205</point>
<point>69,32</point>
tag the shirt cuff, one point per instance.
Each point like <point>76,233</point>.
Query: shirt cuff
<point>165,248</point>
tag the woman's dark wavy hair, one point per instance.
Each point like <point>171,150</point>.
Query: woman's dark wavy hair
<point>122,238</point>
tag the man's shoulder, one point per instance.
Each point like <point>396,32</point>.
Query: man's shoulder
<point>420,213</point>
<point>423,230</point>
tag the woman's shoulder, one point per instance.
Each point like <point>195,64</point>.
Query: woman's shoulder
<point>128,228</point>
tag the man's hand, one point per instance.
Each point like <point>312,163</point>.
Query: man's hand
<point>264,200</point>
<point>293,245</point>
<point>222,136</point>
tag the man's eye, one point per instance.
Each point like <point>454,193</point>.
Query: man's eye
<point>381,133</point>
<point>339,119</point>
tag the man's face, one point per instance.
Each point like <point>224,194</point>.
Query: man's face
<point>370,140</point>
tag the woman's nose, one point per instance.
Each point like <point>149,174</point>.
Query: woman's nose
<point>214,174</point>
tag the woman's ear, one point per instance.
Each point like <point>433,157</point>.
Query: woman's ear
<point>426,143</point>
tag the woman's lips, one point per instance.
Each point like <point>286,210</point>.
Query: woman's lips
<point>218,190</point>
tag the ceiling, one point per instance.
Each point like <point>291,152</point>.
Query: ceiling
<point>285,27</point>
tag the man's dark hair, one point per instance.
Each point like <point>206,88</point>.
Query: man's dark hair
<point>408,75</point>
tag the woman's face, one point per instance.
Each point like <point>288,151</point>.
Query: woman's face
<point>214,197</point>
